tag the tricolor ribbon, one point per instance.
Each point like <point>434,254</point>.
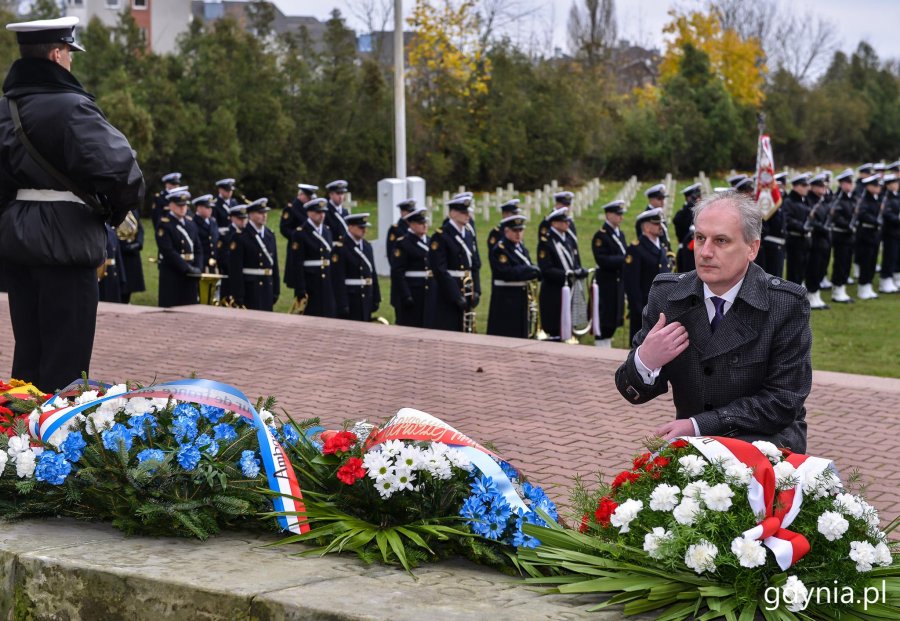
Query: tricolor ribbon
<point>278,467</point>
<point>776,514</point>
<point>410,424</point>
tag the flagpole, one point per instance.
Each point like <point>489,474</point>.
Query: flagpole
<point>399,93</point>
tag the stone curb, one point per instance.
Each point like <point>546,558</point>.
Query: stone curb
<point>59,569</point>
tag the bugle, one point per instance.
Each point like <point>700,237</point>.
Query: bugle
<point>468,291</point>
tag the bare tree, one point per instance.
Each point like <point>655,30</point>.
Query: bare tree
<point>592,29</point>
<point>756,19</point>
<point>375,15</point>
<point>500,17</point>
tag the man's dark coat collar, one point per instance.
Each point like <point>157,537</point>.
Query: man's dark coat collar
<point>29,76</point>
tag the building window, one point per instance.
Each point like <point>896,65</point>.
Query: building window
<point>76,3</point>
<point>140,5</point>
<point>112,4</point>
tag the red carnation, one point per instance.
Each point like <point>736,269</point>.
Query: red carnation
<point>605,509</point>
<point>624,476</point>
<point>584,523</point>
<point>351,471</point>
<point>640,461</point>
<point>341,442</point>
<point>679,444</point>
<point>661,462</point>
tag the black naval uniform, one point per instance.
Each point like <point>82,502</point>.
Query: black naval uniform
<point>223,254</point>
<point>511,271</point>
<point>356,291</point>
<point>208,232</point>
<point>394,234</point>
<point>820,247</point>
<point>411,281</point>
<point>664,231</point>
<point>334,218</point>
<point>684,258</point>
<point>221,214</point>
<point>253,269</point>
<point>132,265</point>
<point>50,249</point>
<point>610,248</point>
<point>842,237</point>
<point>180,255</point>
<point>643,262</point>
<point>311,256</point>
<point>160,207</point>
<point>796,211</point>
<point>451,257</point>
<point>771,248</point>
<point>557,255</point>
<point>293,216</point>
<point>867,237</point>
<point>890,251</point>
<point>112,282</point>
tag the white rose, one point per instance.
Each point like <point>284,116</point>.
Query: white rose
<point>795,594</point>
<point>883,555</point>
<point>739,474</point>
<point>749,552</point>
<point>18,444</point>
<point>687,511</point>
<point>864,554</point>
<point>692,465</point>
<point>653,540</point>
<point>25,464</point>
<point>718,497</point>
<point>849,505</point>
<point>3,460</point>
<point>832,525</point>
<point>785,475</point>
<point>625,513</point>
<point>701,557</point>
<point>664,497</point>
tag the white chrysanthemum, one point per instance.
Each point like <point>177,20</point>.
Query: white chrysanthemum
<point>99,420</point>
<point>739,474</point>
<point>86,397</point>
<point>832,525</point>
<point>695,490</point>
<point>404,478</point>
<point>664,497</point>
<point>625,513</point>
<point>795,594</point>
<point>849,504</point>
<point>378,465</point>
<point>718,497</point>
<point>392,447</point>
<point>438,466</point>
<point>785,475</point>
<point>25,462</point>
<point>411,457</point>
<point>653,540</point>
<point>18,444</point>
<point>864,554</point>
<point>701,557</point>
<point>692,465</point>
<point>769,450</point>
<point>458,459</point>
<point>749,552</point>
<point>883,555</point>
<point>387,486</point>
<point>3,460</point>
<point>687,511</point>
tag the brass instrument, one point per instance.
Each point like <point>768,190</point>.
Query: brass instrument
<point>128,230</point>
<point>210,286</point>
<point>299,305</point>
<point>468,285</point>
<point>534,313</point>
<point>381,320</point>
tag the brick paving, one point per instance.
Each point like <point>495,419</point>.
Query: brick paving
<point>551,409</point>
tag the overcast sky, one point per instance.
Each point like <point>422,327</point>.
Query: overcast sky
<point>641,21</point>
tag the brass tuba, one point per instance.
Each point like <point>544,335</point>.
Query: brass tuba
<point>128,230</point>
<point>534,313</point>
<point>299,305</point>
<point>468,284</point>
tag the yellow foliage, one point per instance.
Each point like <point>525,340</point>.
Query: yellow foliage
<point>446,62</point>
<point>646,95</point>
<point>737,62</point>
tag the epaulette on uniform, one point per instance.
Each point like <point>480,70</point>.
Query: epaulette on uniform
<point>499,244</point>
<point>164,219</point>
<point>338,244</point>
<point>780,284</point>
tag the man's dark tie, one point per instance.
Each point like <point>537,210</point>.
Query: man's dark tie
<point>719,303</point>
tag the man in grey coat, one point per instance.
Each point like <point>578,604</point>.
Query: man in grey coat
<point>733,341</point>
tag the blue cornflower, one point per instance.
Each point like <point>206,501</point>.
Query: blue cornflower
<point>118,435</point>
<point>186,410</point>
<point>52,467</point>
<point>184,428</point>
<point>508,470</point>
<point>73,446</point>
<point>209,446</point>
<point>225,433</point>
<point>291,437</point>
<point>249,464</point>
<point>188,456</point>
<point>211,413</point>
<point>483,485</point>
<point>139,425</point>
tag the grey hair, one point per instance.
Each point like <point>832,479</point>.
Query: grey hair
<point>749,211</point>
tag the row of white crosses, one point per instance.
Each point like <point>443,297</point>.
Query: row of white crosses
<point>705,184</point>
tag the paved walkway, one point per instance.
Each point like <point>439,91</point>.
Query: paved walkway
<point>552,409</point>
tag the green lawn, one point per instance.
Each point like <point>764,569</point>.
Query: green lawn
<point>854,338</point>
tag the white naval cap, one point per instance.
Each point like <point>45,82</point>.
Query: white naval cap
<point>59,30</point>
<point>656,191</point>
<point>653,215</point>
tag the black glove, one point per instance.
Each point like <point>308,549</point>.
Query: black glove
<point>462,303</point>
<point>194,270</point>
<point>476,299</point>
<point>536,272</point>
<point>344,313</point>
<point>582,273</point>
<point>409,303</point>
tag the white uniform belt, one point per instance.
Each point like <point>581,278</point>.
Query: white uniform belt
<point>775,240</point>
<point>418,273</point>
<point>796,234</point>
<point>510,283</point>
<point>223,230</point>
<point>358,282</point>
<point>47,196</point>
<point>188,257</point>
<point>459,273</point>
<point>839,230</point>
<point>866,225</point>
<point>317,263</point>
<point>257,271</point>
